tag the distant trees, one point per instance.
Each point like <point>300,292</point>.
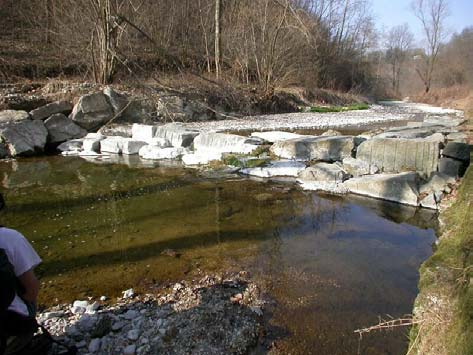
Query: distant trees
<point>264,43</point>
<point>398,43</point>
<point>432,15</point>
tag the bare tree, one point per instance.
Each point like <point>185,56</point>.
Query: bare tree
<point>432,15</point>
<point>218,7</point>
<point>398,42</point>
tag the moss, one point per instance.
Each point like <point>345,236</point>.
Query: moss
<point>240,162</point>
<point>449,272</point>
<point>325,109</point>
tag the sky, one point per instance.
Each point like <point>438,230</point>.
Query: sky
<point>389,13</point>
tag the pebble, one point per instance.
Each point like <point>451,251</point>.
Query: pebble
<point>94,345</point>
<point>130,350</point>
<point>128,293</point>
<point>133,334</point>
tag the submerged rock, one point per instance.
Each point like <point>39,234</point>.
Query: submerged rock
<point>315,148</point>
<point>401,188</point>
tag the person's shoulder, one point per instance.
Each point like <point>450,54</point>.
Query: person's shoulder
<point>10,233</point>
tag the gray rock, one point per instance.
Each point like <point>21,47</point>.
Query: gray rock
<point>451,167</point>
<point>61,129</point>
<point>72,145</point>
<point>133,334</point>
<point>25,137</point>
<point>315,148</point>
<point>3,151</point>
<point>275,136</point>
<point>413,132</point>
<point>323,172</point>
<point>446,121</point>
<point>130,350</point>
<point>224,143</point>
<point>8,116</point>
<point>92,111</point>
<point>177,135</point>
<point>151,152</point>
<point>276,168</point>
<point>429,202</point>
<point>91,145</point>
<point>459,137</point>
<point>53,108</point>
<point>401,188</point>
<point>331,133</point>
<point>358,167</point>
<point>438,183</point>
<point>94,345</point>
<point>120,145</point>
<point>131,314</point>
<point>116,130</point>
<point>459,151</point>
<point>397,155</point>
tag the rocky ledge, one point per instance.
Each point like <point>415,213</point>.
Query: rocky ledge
<point>213,315</point>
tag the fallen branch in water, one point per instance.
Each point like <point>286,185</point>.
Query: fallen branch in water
<point>390,324</point>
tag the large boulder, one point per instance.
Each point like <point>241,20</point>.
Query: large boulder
<point>358,167</point>
<point>61,129</point>
<point>323,172</point>
<point>156,153</point>
<point>92,111</point>
<point>120,145</point>
<point>276,168</point>
<point>177,135</point>
<point>201,158</point>
<point>451,167</point>
<point>275,136</point>
<point>401,188</point>
<point>459,151</point>
<point>25,137</point>
<point>315,148</point>
<point>393,155</point>
<point>224,143</point>
<point>43,112</point>
<point>7,116</point>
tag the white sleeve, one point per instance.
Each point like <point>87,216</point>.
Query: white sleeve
<point>24,257</point>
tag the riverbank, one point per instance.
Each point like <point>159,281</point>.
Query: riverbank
<point>444,307</point>
<point>211,315</point>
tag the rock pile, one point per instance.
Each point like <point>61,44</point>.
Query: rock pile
<point>208,316</point>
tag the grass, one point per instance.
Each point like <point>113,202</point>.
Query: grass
<point>446,283</point>
<point>325,109</point>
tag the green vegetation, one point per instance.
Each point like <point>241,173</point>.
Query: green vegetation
<point>446,328</point>
<point>325,109</point>
<point>242,162</point>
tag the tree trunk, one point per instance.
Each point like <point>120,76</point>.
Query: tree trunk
<point>217,38</point>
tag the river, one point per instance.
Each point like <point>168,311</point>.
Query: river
<point>329,264</point>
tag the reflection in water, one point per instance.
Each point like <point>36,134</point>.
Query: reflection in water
<point>330,264</point>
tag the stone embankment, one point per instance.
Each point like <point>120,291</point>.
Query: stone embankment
<point>417,164</point>
<point>213,315</point>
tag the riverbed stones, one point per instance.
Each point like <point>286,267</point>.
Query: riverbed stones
<point>44,112</point>
<point>400,188</point>
<point>24,137</point>
<point>275,136</point>
<point>224,143</point>
<point>323,172</point>
<point>92,111</point>
<point>458,151</point>
<point>7,116</point>
<point>393,155</point>
<point>276,168</point>
<point>315,148</point>
<point>61,128</point>
<point>177,135</point>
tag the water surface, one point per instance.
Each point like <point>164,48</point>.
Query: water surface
<point>330,264</point>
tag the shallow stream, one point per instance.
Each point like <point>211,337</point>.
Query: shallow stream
<point>330,264</point>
